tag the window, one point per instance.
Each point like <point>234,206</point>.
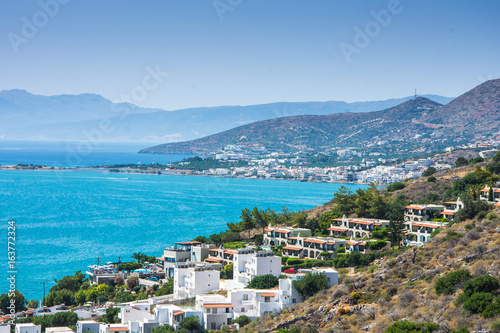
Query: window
<point>245,297</point>
<point>267,299</point>
<point>294,300</point>
<point>242,309</point>
<point>227,310</point>
<point>212,326</point>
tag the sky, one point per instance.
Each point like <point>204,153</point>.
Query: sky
<point>174,54</point>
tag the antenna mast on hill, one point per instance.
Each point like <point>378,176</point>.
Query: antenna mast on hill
<point>97,259</point>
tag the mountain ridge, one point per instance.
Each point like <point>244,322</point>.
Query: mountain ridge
<point>479,107</point>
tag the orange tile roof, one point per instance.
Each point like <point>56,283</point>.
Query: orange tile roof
<point>360,222</point>
<point>267,294</point>
<point>176,313</point>
<point>497,204</point>
<point>337,229</point>
<point>160,258</point>
<point>267,229</point>
<point>231,251</point>
<point>362,243</point>
<point>450,202</point>
<point>447,213</point>
<point>288,247</point>
<point>218,305</point>
<point>336,219</point>
<point>118,329</point>
<point>415,207</point>
<point>213,250</point>
<point>484,190</point>
<point>352,243</point>
<point>213,259</point>
<point>283,231</point>
<point>315,241</point>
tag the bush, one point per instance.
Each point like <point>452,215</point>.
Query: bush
<point>485,283</point>
<point>429,171</point>
<point>452,281</point>
<point>395,186</point>
<point>310,284</point>
<point>376,245</point>
<point>341,249</point>
<point>492,216</point>
<point>435,232</point>
<point>432,179</point>
<point>294,261</point>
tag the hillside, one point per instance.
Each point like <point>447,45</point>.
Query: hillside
<point>25,116</point>
<point>474,113</point>
<point>402,286</point>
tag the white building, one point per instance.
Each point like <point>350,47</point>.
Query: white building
<point>87,326</point>
<point>114,328</point>
<point>4,328</point>
<point>248,265</point>
<point>279,235</point>
<point>28,328</point>
<point>62,329</point>
<point>217,311</point>
<point>191,279</point>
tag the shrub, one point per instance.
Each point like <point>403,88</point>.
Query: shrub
<point>469,226</point>
<point>242,320</point>
<point>294,261</point>
<point>461,330</point>
<point>341,249</point>
<point>492,216</point>
<point>452,281</point>
<point>432,179</point>
<point>492,309</point>
<point>395,186</point>
<point>376,245</point>
<point>435,232</point>
<point>485,283</point>
<point>406,326</point>
<point>461,161</point>
<point>478,302</point>
<point>495,325</point>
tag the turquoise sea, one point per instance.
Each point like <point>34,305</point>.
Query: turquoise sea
<point>66,218</point>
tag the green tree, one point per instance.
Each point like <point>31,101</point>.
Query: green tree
<point>260,218</point>
<point>123,297</point>
<point>310,284</point>
<point>32,304</point>
<point>247,220</point>
<point>345,201</point>
<point>395,186</point>
<point>166,288</point>
<point>137,256</point>
<point>461,161</point>
<point>396,232</point>
<point>80,297</point>
<point>190,323</point>
<point>491,197</point>
<point>128,266</point>
<point>267,281</point>
<point>227,272</point>
<point>19,301</point>
<point>201,239</point>
<point>111,315</point>
<point>242,320</point>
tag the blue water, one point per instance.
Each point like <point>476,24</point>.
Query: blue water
<point>79,153</point>
<point>66,218</point>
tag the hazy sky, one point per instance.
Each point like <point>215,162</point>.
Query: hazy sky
<point>240,52</point>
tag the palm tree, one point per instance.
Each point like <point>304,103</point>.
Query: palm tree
<point>138,256</point>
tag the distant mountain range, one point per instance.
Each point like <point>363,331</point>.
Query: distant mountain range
<point>472,114</point>
<point>24,116</point>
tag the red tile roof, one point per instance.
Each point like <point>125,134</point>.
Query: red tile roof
<point>118,329</point>
<point>315,241</point>
<point>188,243</point>
<point>361,222</point>
<point>176,313</point>
<point>283,231</point>
<point>267,294</point>
<point>432,226</point>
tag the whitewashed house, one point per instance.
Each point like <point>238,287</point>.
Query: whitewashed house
<point>191,279</point>
<point>248,265</point>
<point>87,326</point>
<point>28,328</point>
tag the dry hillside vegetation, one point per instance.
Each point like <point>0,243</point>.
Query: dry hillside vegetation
<point>401,288</point>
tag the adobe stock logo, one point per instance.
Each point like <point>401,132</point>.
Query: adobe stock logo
<point>363,37</point>
<point>31,27</point>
